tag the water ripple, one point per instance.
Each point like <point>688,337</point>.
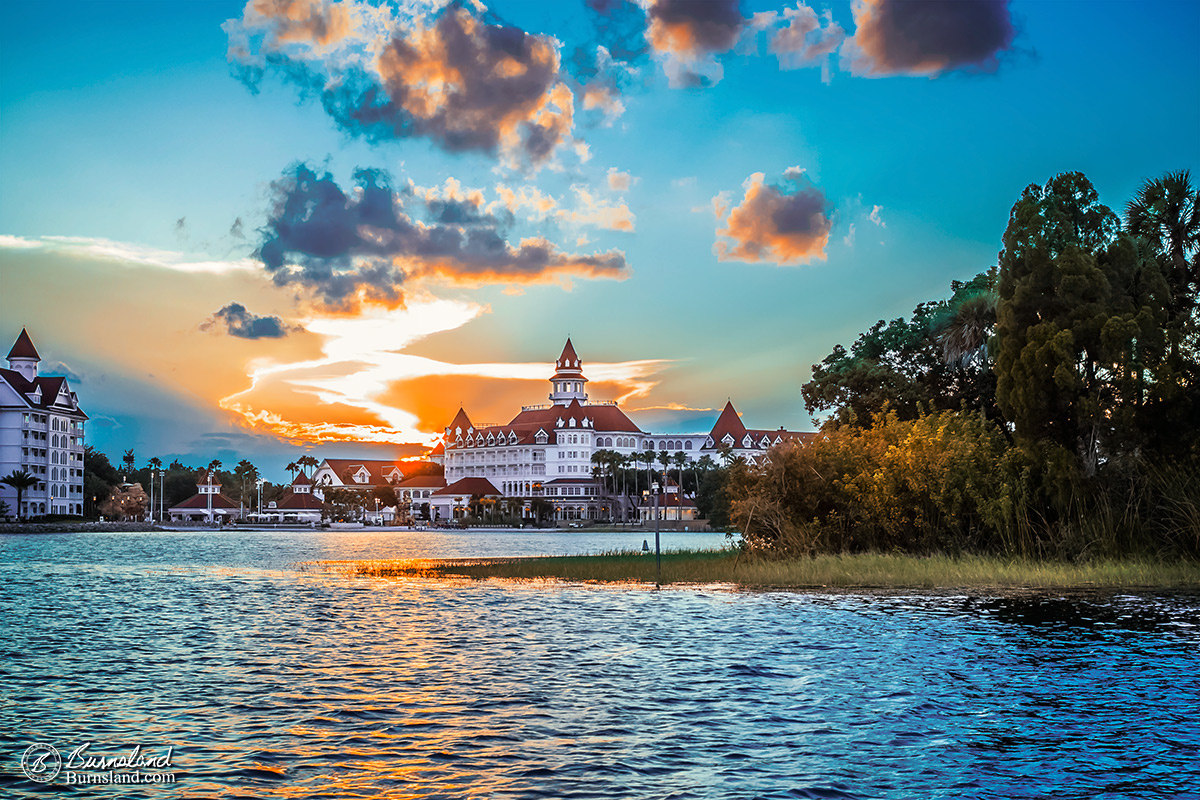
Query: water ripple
<point>271,682</point>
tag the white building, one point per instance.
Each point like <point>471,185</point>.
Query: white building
<point>355,473</point>
<point>545,452</point>
<point>41,432</point>
<point>299,504</point>
<point>207,505</point>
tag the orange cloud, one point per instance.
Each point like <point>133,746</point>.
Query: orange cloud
<point>605,99</point>
<point>773,225</point>
<point>598,212</point>
<point>318,21</point>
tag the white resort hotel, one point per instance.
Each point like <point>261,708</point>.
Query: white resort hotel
<point>41,433</point>
<point>546,450</point>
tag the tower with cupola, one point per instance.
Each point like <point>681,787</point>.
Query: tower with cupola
<point>568,382</point>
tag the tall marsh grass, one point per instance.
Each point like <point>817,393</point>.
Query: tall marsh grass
<point>861,570</point>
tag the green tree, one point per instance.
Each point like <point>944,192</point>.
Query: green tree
<point>935,359</point>
<point>1078,308</point>
<point>386,497</point>
<point>99,478</point>
<point>19,480</point>
<point>1164,219</point>
<point>127,461</point>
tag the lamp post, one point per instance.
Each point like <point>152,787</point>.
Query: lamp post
<point>259,483</point>
<point>657,548</point>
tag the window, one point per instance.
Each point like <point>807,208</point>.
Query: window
<point>687,445</point>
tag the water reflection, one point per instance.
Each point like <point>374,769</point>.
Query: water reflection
<point>271,682</point>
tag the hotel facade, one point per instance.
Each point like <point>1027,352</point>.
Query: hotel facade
<point>545,451</point>
<point>41,433</point>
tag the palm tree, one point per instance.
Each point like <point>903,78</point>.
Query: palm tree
<point>680,459</point>
<point>599,462</point>
<point>20,480</point>
<point>647,457</point>
<point>292,469</point>
<point>307,461</point>
<point>128,461</point>
<point>214,466</point>
<point>1166,211</point>
<point>665,460</point>
<point>155,463</point>
<point>965,334</point>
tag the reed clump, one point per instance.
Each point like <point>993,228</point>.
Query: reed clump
<point>833,571</point>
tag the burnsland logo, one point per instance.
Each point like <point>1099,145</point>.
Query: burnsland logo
<point>43,763</point>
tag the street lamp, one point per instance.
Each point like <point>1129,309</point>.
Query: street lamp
<point>657,548</point>
<point>259,482</point>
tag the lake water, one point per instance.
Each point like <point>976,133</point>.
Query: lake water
<point>273,681</point>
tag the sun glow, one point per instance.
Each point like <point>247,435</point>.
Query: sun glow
<point>363,359</point>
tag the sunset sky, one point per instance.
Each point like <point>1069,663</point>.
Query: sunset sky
<point>248,230</point>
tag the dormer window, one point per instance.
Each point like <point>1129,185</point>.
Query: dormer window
<point>728,439</point>
<point>571,423</point>
<point>747,441</point>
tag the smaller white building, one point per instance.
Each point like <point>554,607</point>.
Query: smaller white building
<point>207,505</point>
<point>299,504</point>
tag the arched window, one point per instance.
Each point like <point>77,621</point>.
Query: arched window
<point>662,445</point>
<point>687,445</point>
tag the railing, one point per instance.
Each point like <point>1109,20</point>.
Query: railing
<point>604,403</point>
<point>537,407</point>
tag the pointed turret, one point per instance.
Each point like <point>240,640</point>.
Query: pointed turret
<point>567,360</point>
<point>568,381</point>
<point>458,426</point>
<point>23,357</point>
<point>729,424</point>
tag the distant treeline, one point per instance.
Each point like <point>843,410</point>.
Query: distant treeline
<point>1049,407</point>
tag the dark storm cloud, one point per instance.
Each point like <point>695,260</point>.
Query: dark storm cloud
<point>362,245</point>
<point>463,80</point>
<point>689,27</point>
<point>928,37</point>
<point>236,321</point>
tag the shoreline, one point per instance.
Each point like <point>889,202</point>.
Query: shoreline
<point>856,572</point>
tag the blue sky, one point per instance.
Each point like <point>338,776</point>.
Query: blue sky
<point>127,132</point>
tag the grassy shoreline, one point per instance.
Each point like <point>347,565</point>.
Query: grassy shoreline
<point>857,571</point>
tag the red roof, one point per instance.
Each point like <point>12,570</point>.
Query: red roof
<point>461,422</point>
<point>301,480</point>
<point>200,501</point>
<point>467,487</point>
<point>438,448</point>
<point>23,348</point>
<point>423,482</point>
<point>301,501</point>
<point>203,479</point>
<point>50,387</point>
<point>345,467</point>
<point>728,423</point>
<point>568,359</point>
<point>602,418</point>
